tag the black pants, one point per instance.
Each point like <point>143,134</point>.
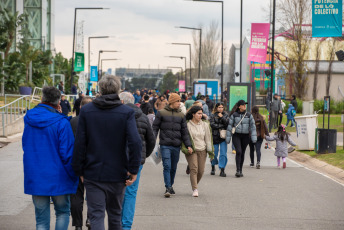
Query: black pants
<point>103,196</point>
<point>258,146</point>
<point>77,205</point>
<point>280,119</point>
<point>240,142</point>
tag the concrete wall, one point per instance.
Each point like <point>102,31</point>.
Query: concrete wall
<point>14,128</point>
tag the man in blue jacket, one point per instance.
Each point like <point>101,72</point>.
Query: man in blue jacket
<point>106,130</point>
<point>48,149</point>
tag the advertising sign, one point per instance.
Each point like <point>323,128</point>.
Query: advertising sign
<point>181,86</point>
<point>237,92</point>
<point>259,39</point>
<point>327,18</point>
<point>200,88</point>
<point>94,73</point>
<point>79,62</point>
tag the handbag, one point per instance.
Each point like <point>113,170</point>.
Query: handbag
<point>234,128</point>
<point>223,133</point>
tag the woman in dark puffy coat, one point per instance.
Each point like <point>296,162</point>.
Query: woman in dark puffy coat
<point>219,121</point>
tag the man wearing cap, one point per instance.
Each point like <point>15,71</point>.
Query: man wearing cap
<point>173,131</point>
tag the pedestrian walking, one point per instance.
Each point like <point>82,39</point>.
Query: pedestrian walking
<point>219,122</point>
<point>77,103</point>
<point>209,103</point>
<point>280,113</point>
<point>148,143</point>
<point>189,102</point>
<point>262,131</point>
<point>107,153</point>
<point>145,105</point>
<point>201,139</point>
<point>65,106</point>
<point>275,110</point>
<point>282,139</point>
<point>171,123</point>
<point>202,99</point>
<point>137,97</point>
<point>160,103</point>
<point>48,150</point>
<point>61,87</point>
<point>241,127</point>
<point>77,199</point>
<point>151,116</point>
<point>291,115</point>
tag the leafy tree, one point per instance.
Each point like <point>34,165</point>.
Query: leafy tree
<point>169,82</point>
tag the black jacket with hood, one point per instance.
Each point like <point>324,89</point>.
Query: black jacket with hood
<point>145,106</point>
<point>145,131</point>
<point>106,130</point>
<point>217,124</point>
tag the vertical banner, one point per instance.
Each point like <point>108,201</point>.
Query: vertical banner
<point>79,62</point>
<point>94,73</point>
<point>181,86</point>
<point>327,18</point>
<point>259,42</point>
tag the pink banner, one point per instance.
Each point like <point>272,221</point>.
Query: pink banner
<point>259,42</point>
<point>181,86</point>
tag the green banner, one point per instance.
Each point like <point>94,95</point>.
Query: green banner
<point>79,62</point>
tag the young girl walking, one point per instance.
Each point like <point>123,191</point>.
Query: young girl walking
<point>282,139</point>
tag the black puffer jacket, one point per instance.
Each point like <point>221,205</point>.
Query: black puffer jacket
<point>172,126</point>
<point>145,131</point>
<point>218,123</point>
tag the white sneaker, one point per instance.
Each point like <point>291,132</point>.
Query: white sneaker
<point>195,193</point>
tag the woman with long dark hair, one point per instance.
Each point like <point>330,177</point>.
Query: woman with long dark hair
<point>241,125</point>
<point>200,135</point>
<point>219,122</point>
<point>262,131</point>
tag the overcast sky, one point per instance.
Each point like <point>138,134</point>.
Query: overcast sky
<point>142,28</point>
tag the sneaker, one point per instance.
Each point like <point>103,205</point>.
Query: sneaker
<point>241,175</point>
<point>187,170</point>
<point>278,166</point>
<point>212,170</point>
<point>195,193</point>
<point>237,174</point>
<point>292,126</point>
<point>284,165</point>
<point>222,173</point>
<point>233,151</point>
<point>167,193</point>
<point>258,165</point>
<point>252,165</point>
<point>172,192</point>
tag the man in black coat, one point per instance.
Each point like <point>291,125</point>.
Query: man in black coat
<point>148,143</point>
<point>65,106</point>
<point>77,102</point>
<point>146,105</point>
<point>107,153</point>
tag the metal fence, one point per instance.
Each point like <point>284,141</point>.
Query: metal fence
<point>13,111</point>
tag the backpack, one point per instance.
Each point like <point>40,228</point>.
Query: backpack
<point>293,112</point>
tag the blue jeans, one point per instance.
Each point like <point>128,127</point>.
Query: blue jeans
<point>42,211</point>
<point>292,122</point>
<point>170,158</point>
<point>222,162</point>
<point>128,208</point>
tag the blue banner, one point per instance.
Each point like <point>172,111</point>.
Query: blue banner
<point>327,18</point>
<point>94,73</point>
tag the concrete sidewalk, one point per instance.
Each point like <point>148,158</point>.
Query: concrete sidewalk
<point>269,198</point>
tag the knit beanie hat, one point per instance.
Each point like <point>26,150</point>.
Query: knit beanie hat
<point>173,98</point>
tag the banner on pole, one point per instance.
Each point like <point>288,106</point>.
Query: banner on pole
<point>79,62</point>
<point>94,73</point>
<point>181,85</point>
<point>327,18</point>
<point>259,42</point>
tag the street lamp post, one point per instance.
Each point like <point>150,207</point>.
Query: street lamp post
<point>101,62</point>
<point>200,46</point>
<point>89,50</point>
<point>75,10</point>
<point>221,39</point>
<point>185,66</point>
<point>240,40</point>
<point>104,51</point>
<point>273,57</point>
<point>190,58</point>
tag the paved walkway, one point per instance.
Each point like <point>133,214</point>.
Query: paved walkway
<point>269,198</point>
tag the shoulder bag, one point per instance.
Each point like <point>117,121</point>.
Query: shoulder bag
<point>234,128</point>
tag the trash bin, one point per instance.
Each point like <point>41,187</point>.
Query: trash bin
<point>326,141</point>
<point>305,128</point>
<point>308,108</point>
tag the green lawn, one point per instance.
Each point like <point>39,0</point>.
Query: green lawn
<point>335,159</point>
<point>10,99</point>
<point>335,121</point>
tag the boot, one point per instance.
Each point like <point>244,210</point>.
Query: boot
<point>241,175</point>
<point>258,165</point>
<point>222,173</point>
<point>212,170</point>
<point>237,174</point>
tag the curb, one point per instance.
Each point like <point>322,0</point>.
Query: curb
<point>331,171</point>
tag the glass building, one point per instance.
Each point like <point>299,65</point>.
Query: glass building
<point>40,20</point>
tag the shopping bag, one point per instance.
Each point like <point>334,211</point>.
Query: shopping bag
<point>156,154</point>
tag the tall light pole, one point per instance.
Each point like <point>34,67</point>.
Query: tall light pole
<point>240,40</point>
<point>101,62</point>
<point>189,54</point>
<point>104,51</point>
<point>273,57</point>
<point>221,39</point>
<point>89,50</point>
<point>75,11</point>
<point>185,66</point>
<point>200,46</point>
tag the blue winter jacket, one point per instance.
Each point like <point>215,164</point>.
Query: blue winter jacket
<point>289,112</point>
<point>137,98</point>
<point>48,143</point>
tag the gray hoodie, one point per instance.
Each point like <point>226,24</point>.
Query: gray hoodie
<point>205,108</point>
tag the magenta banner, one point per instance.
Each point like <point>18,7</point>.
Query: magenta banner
<point>181,86</point>
<point>259,42</point>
